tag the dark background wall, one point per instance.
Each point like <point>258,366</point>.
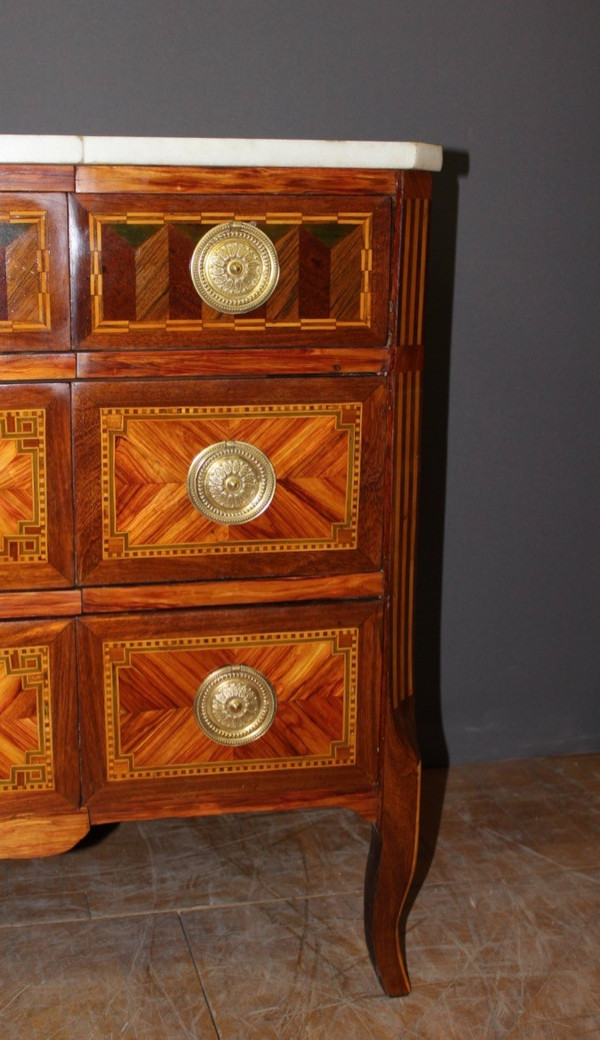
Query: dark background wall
<point>508,584</point>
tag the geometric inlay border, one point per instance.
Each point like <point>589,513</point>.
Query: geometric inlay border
<point>343,535</point>
<point>209,219</point>
<point>31,276</point>
<point>119,654</point>
<point>23,487</point>
<point>25,720</point>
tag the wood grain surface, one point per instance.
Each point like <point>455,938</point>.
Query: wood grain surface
<point>19,367</point>
<point>30,836</point>
<point>43,603</point>
<point>220,180</point>
<point>40,177</point>
<point>113,598</point>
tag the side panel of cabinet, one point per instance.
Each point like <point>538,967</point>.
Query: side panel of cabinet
<point>36,511</point>
<point>135,443</point>
<point>34,272</point>
<point>143,752</point>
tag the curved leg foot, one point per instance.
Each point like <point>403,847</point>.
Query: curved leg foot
<point>391,865</point>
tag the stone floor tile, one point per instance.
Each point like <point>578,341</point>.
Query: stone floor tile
<point>232,859</point>
<point>102,980</point>
<point>502,939</point>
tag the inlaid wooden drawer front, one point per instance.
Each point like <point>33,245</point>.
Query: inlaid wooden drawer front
<point>36,526</point>
<point>132,259</point>
<point>34,274</point>
<point>38,735</point>
<point>292,482</point>
<point>147,674</point>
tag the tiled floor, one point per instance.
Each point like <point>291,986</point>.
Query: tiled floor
<point>250,928</point>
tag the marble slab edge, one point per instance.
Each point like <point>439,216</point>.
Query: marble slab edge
<point>214,151</point>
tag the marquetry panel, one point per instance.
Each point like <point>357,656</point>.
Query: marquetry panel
<point>142,514</point>
<point>33,272</point>
<point>38,737</point>
<point>24,487</point>
<point>25,720</point>
<point>146,455</point>
<point>142,745</point>
<point>35,466</point>
<point>149,692</point>
<point>140,293</point>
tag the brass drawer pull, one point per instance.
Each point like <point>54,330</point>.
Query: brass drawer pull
<point>235,267</point>
<point>231,482</point>
<point>235,705</point>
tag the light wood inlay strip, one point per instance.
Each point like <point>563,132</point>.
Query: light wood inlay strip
<point>405,265</point>
<point>52,603</point>
<point>106,599</point>
<point>416,221</point>
<point>404,543</point>
<point>401,552</point>
<point>421,293</point>
<point>412,461</point>
<point>414,252</point>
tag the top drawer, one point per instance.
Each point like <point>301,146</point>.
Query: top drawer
<point>132,285</point>
<point>34,273</point>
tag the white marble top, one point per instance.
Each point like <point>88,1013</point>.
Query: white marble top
<point>215,151</point>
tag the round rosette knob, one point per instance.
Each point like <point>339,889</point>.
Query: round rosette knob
<point>235,267</point>
<point>235,705</point>
<point>231,482</point>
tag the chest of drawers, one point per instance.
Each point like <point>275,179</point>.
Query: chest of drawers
<point>209,430</point>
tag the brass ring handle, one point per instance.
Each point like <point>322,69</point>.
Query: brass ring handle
<point>235,267</point>
<point>231,482</point>
<point>235,705</point>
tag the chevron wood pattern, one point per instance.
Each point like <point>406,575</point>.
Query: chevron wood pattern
<point>36,513</point>
<point>23,487</point>
<point>26,762</point>
<point>150,686</point>
<point>146,454</point>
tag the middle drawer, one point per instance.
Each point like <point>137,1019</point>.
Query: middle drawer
<point>228,478</point>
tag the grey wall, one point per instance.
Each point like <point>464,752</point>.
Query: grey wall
<point>508,586</point>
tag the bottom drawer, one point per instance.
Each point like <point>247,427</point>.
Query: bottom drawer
<point>39,760</point>
<point>213,710</point>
